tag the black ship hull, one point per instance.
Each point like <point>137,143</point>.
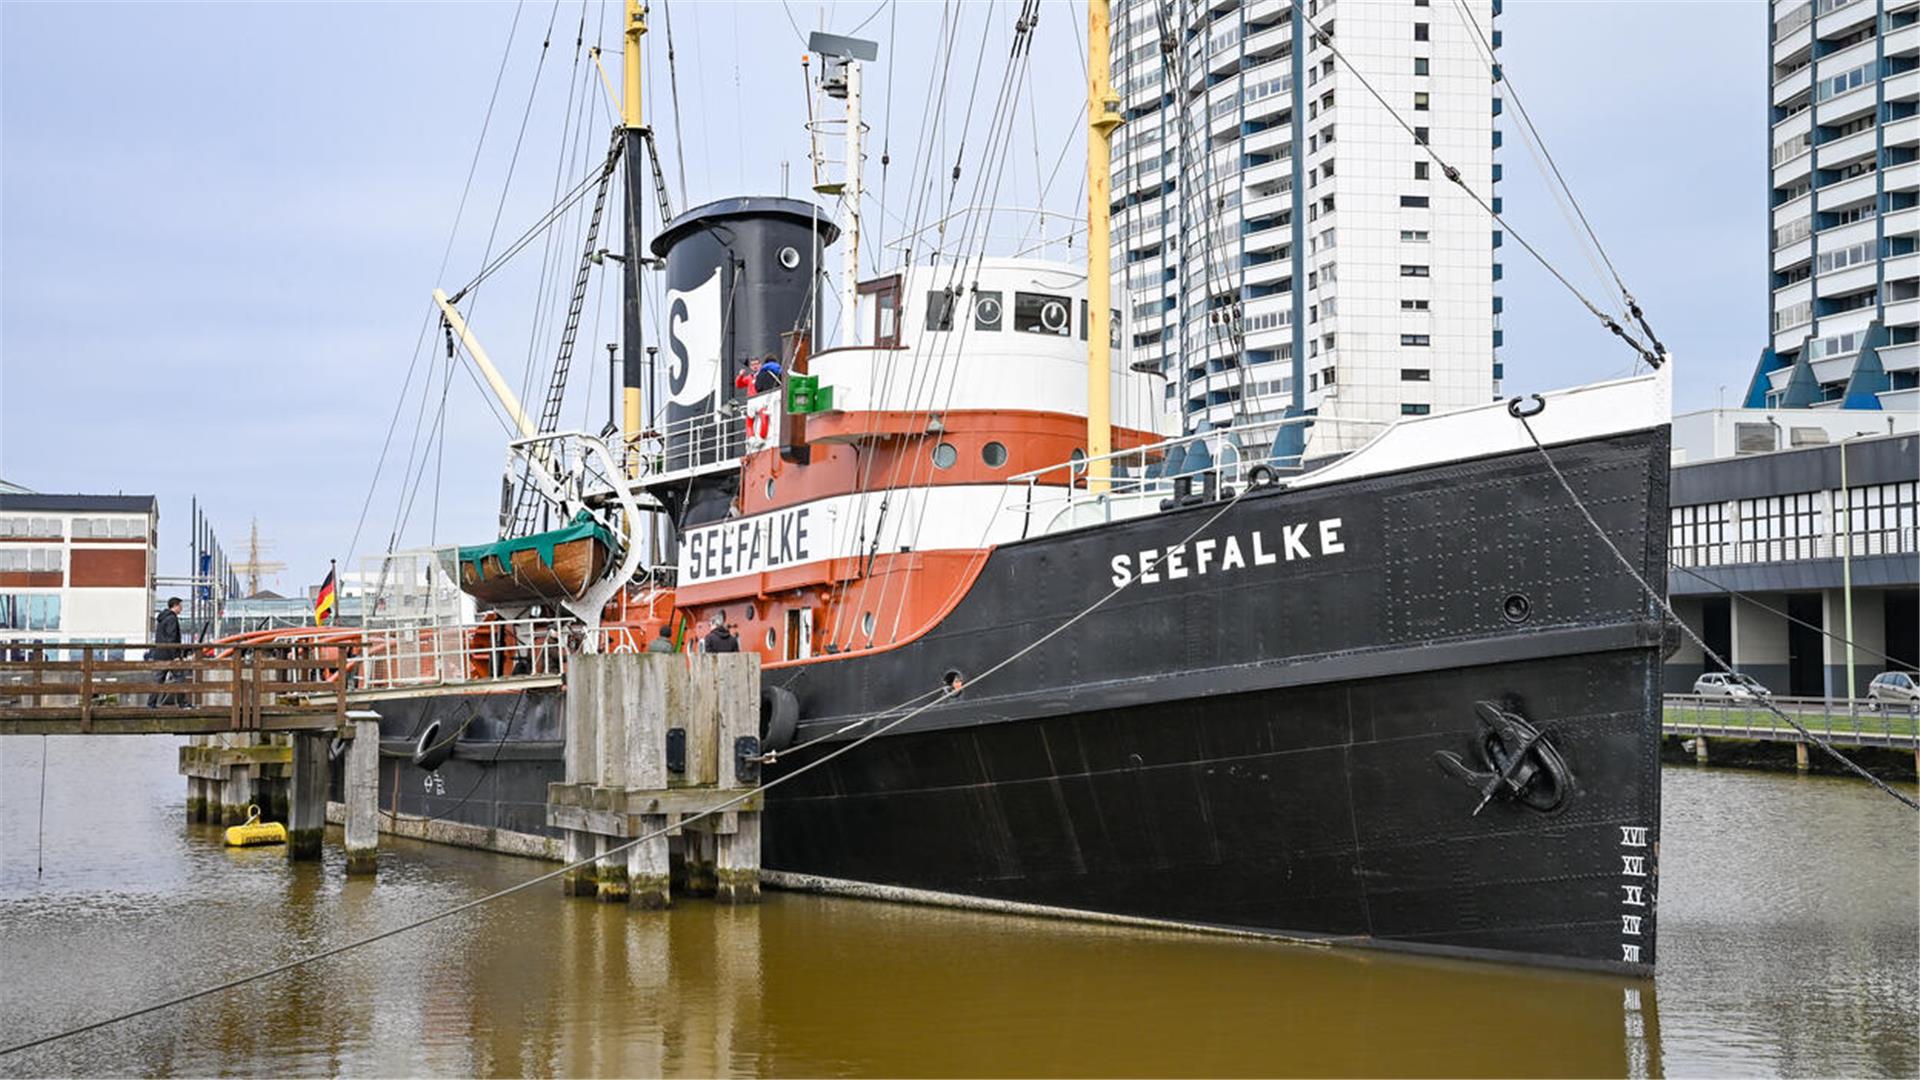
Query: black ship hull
<point>1418,710</point>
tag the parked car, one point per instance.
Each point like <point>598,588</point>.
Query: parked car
<point>1894,688</point>
<point>1729,685</point>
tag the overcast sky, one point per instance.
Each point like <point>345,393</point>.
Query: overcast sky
<point>220,223</point>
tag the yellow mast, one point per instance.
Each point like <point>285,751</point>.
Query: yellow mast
<point>630,119</point>
<point>1103,115</point>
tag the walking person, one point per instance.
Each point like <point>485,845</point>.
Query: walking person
<point>720,639</point>
<point>166,632</point>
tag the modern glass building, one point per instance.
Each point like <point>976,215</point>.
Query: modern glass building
<point>1844,207</point>
<point>1264,201</point>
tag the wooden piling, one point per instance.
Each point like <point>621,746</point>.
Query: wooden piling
<point>362,786</point>
<point>307,798</point>
<point>1700,749</point>
<point>628,804</point>
<point>1800,761</point>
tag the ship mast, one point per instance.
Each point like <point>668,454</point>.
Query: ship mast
<point>633,356</point>
<point>1103,115</point>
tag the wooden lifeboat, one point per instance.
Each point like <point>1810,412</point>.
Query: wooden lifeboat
<point>552,565</point>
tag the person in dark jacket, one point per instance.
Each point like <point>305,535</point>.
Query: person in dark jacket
<point>166,631</point>
<point>719,639</point>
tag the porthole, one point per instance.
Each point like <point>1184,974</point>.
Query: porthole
<point>789,258</point>
<point>994,454</point>
<point>866,625</point>
<point>1053,316</point>
<point>944,456</point>
<point>770,637</point>
<point>1077,461</point>
<point>769,487</point>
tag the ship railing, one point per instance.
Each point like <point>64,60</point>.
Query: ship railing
<point>1206,465</point>
<point>1843,721</point>
<point>405,657</point>
<point>484,651</point>
<point>710,442</point>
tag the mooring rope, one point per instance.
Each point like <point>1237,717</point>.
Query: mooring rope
<point>1659,597</point>
<point>945,694</point>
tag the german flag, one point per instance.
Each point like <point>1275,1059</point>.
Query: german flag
<point>323,601</point>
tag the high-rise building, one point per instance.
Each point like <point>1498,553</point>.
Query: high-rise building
<point>1265,205</point>
<point>1844,207</point>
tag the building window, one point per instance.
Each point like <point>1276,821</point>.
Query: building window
<point>1412,270</point>
<point>1882,518</point>
<point>1419,65</point>
<point>1415,374</point>
<point>1039,313</point>
<point>1420,31</point>
<point>1419,170</point>
<point>1420,101</point>
<point>1413,236</point>
<point>1420,135</point>
<point>1778,527</point>
<point>29,611</point>
<point>1412,408</point>
<point>1416,339</point>
<point>1413,305</point>
<point>1417,202</point>
<point>1698,535</point>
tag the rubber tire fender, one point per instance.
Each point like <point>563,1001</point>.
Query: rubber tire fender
<point>430,751</point>
<point>779,717</point>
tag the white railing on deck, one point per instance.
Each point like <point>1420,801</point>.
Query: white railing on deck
<point>1222,460</point>
<point>410,657</point>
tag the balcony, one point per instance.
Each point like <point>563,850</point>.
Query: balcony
<point>1851,190</point>
<point>1793,254</point>
<point>1842,16</point>
<point>1841,282</point>
<point>1838,152</point>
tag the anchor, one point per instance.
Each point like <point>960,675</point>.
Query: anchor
<point>1516,762</point>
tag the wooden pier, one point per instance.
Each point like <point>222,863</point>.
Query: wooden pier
<point>265,722</point>
<point>654,740</point>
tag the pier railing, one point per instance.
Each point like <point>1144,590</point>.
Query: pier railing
<point>1841,721</point>
<point>78,688</point>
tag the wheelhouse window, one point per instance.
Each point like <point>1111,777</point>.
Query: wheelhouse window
<point>1042,313</point>
<point>883,296</point>
<point>987,312</point>
<point>940,307</point>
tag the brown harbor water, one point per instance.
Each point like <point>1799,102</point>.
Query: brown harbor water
<point>1791,946</point>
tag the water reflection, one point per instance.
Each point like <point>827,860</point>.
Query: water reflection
<point>1788,926</point>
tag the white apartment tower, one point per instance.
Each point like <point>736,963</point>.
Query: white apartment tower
<point>1844,207</point>
<point>1364,279</point>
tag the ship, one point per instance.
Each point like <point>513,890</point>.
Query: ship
<point>1313,678</point>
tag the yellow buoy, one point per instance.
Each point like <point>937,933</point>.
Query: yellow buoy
<point>256,831</point>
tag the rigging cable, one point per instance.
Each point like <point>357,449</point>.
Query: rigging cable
<point>673,90</point>
<point>1659,597</point>
<point>617,849</point>
<point>1653,359</point>
<point>446,255</point>
<point>1535,140</point>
